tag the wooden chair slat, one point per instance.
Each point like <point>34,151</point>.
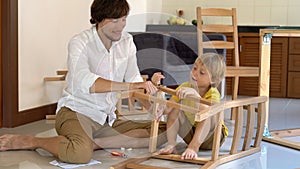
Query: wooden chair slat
<point>238,127</point>
<point>249,127</point>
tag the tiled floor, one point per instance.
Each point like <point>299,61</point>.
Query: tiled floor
<point>284,114</point>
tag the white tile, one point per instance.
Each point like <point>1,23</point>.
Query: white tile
<point>281,3</point>
<point>215,3</point>
<point>284,114</point>
<point>245,15</point>
<point>262,15</point>
<point>279,16</point>
<point>262,2</point>
<point>293,16</point>
<point>220,4</point>
<point>243,3</point>
<point>293,3</point>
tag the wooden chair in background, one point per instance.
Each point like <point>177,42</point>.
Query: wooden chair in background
<point>219,20</point>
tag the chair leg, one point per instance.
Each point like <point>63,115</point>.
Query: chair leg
<point>154,126</point>
<point>234,95</point>
<point>153,136</point>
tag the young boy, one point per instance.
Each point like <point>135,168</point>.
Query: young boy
<point>206,74</point>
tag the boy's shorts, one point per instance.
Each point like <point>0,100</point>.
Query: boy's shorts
<point>208,142</point>
<point>187,131</point>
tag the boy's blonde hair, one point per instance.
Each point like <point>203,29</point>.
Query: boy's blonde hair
<point>215,65</point>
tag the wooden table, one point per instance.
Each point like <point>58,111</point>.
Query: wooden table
<point>266,35</point>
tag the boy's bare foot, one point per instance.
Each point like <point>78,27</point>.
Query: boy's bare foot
<point>169,149</point>
<point>189,154</point>
<point>16,142</point>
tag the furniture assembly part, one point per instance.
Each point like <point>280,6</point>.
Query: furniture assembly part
<point>265,48</point>
<point>252,138</point>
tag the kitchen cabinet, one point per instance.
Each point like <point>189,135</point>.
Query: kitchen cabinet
<point>249,56</point>
<point>293,90</point>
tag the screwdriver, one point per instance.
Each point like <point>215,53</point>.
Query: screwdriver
<point>116,153</point>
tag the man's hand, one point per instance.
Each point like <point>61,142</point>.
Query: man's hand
<point>184,92</point>
<point>150,88</point>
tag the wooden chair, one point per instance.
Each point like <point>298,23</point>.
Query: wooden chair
<point>255,112</point>
<point>204,25</point>
<point>255,107</point>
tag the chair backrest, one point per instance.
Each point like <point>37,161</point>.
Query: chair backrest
<point>206,27</point>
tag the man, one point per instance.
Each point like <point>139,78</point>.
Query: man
<point>101,61</point>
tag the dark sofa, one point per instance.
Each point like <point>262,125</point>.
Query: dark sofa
<point>171,53</point>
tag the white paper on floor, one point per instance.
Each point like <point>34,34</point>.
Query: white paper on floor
<point>69,166</point>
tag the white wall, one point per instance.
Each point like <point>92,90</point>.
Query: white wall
<point>136,19</point>
<point>249,12</point>
<point>45,27</point>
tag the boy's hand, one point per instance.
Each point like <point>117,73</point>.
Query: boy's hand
<point>184,92</point>
<point>156,78</point>
<point>160,111</point>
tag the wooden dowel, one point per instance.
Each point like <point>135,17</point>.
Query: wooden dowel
<point>50,117</point>
<point>62,78</point>
<point>61,72</point>
<point>173,92</point>
<point>166,102</point>
<point>175,157</point>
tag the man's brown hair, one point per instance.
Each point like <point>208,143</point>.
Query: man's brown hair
<point>113,9</point>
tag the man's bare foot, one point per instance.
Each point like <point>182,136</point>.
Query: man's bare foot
<point>16,142</point>
<point>169,149</point>
<point>189,154</point>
